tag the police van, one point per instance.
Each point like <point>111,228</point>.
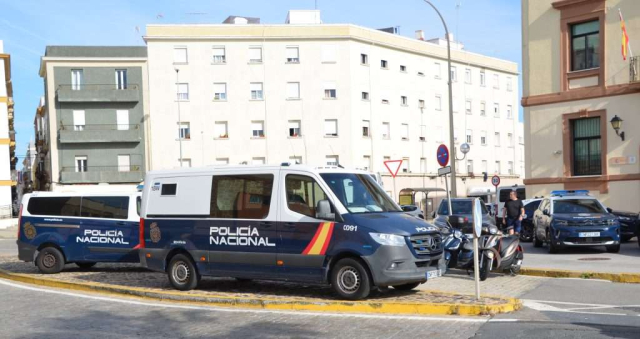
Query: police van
<point>289,222</point>
<point>60,228</point>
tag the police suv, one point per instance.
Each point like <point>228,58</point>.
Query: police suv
<point>289,222</point>
<point>60,228</point>
<point>574,218</point>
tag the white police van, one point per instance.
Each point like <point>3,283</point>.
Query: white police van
<point>289,222</point>
<point>81,228</point>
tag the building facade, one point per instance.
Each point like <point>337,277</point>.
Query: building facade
<point>8,160</point>
<point>576,81</point>
<point>91,128</point>
<point>325,94</point>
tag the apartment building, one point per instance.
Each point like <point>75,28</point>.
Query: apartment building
<point>577,86</point>
<point>327,94</point>
<point>90,128</point>
<point>8,160</point>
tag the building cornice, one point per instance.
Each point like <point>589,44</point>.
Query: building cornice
<point>571,3</point>
<point>44,60</point>
<point>580,94</point>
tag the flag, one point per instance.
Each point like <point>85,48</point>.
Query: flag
<point>625,38</point>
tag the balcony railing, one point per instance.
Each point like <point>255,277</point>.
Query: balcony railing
<point>120,168</point>
<point>100,133</point>
<point>102,174</point>
<point>100,127</point>
<point>634,69</point>
<point>98,93</point>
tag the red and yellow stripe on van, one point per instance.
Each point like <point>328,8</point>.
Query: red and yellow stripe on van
<point>321,240</point>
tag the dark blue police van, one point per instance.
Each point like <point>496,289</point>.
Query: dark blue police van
<point>60,228</point>
<point>295,223</point>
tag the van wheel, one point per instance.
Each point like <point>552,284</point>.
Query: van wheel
<point>85,265</point>
<point>350,279</point>
<point>182,273</point>
<point>406,287</point>
<point>50,260</point>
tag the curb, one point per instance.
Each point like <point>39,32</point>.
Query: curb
<point>405,308</point>
<point>629,278</point>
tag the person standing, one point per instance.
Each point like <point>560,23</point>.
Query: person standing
<point>513,212</point>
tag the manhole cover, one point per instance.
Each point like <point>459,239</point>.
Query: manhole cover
<point>594,259</point>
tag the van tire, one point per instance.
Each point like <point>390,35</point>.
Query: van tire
<point>350,279</point>
<point>50,260</point>
<point>85,265</point>
<point>182,273</point>
<point>613,248</point>
<point>406,287</point>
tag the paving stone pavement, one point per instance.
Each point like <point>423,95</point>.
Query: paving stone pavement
<point>504,285</point>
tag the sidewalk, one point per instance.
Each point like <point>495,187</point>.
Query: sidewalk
<point>9,233</point>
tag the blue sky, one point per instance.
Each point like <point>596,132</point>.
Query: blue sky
<point>490,27</point>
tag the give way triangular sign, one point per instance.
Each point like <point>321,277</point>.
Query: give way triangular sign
<point>393,166</point>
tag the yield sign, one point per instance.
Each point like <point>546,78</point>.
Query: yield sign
<point>390,164</point>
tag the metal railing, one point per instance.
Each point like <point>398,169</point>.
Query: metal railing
<point>634,69</point>
<point>82,87</point>
<point>100,127</point>
<point>82,169</point>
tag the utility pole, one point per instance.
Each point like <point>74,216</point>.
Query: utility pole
<point>452,145</point>
<point>179,119</point>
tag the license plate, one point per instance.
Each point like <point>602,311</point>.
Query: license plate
<point>434,274</point>
<point>588,234</point>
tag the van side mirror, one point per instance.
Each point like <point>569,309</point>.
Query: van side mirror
<point>323,211</point>
<point>609,209</point>
<point>433,214</point>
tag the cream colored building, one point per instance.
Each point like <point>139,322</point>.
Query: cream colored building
<point>8,160</point>
<point>323,94</point>
<point>571,94</point>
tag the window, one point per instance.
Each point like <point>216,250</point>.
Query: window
<point>81,163</point>
<point>365,96</point>
<point>329,53</point>
<point>78,121</point>
<point>124,163</point>
<point>121,79</point>
<point>510,139</point>
<point>364,59</point>
<point>585,45</point>
<point>258,161</point>
<point>241,196</point>
<point>483,78</point>
<point>330,90</point>
<point>385,101</point>
<point>496,81</point>
<point>510,167</point>
<point>293,54</point>
<point>509,112</point>
<point>509,84</point>
<point>404,130</point>
<point>256,91</point>
<point>220,130</point>
<point>483,108</point>
<point>122,119</point>
<point>496,110</point>
<point>185,131</point>
<point>403,69</point>
<point>366,162</point>
<point>467,107</point>
<point>484,167</point>
<point>437,70</point>
<point>55,206</point>
<point>294,129</point>
<point>423,133</point>
<point>222,161</point>
<point>470,166</point>
<point>332,160</point>
<point>293,90</point>
<point>483,138</point>
<point>587,151</point>
<point>331,128</point>
<point>220,91</point>
<point>105,207</point>
<point>469,136</point>
<point>303,194</point>
<point>467,76</point>
<point>386,130</point>
<point>421,104</point>
<point>384,64</point>
<point>420,74</point>
<point>219,55</point>
<point>77,79</point>
<point>257,129</point>
<point>295,160</point>
<point>497,169</point>
<point>496,139</point>
<point>454,74</point>
<point>423,165</point>
<point>180,55</point>
<point>182,92</point>
<point>438,103</point>
<point>404,167</point>
<point>366,125</point>
<point>255,54</point>
<point>404,101</point>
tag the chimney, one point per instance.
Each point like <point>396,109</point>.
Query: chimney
<point>420,35</point>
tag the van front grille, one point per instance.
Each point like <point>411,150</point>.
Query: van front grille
<point>426,244</point>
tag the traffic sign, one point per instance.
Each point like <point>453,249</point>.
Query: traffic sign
<point>444,170</point>
<point>495,180</point>
<point>390,164</point>
<point>443,155</point>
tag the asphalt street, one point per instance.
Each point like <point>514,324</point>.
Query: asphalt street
<point>8,247</point>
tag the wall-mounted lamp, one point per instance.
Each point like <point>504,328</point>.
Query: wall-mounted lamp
<point>616,123</point>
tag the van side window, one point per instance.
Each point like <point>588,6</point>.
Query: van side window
<point>55,206</point>
<point>241,196</point>
<point>138,205</point>
<point>169,189</point>
<point>105,207</point>
<point>303,194</point>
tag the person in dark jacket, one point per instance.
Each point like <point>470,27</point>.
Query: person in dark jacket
<point>512,214</point>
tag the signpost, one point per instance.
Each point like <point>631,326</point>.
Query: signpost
<point>393,172</point>
<point>495,181</point>
<point>477,231</point>
<point>442,154</point>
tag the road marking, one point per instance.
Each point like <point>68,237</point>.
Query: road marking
<point>230,310</point>
<point>543,306</point>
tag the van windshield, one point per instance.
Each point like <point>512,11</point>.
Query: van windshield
<point>359,193</point>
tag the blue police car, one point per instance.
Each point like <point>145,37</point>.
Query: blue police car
<point>574,218</point>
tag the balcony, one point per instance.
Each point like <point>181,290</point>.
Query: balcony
<point>102,174</point>
<point>634,69</point>
<point>98,93</point>
<point>70,134</point>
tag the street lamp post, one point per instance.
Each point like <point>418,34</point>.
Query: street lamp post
<point>454,192</point>
<point>179,119</point>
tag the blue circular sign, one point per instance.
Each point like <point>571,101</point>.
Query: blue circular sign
<point>443,155</point>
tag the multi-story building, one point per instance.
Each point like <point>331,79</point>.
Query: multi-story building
<point>327,94</point>
<point>577,86</point>
<point>8,160</point>
<point>26,176</point>
<point>91,128</point>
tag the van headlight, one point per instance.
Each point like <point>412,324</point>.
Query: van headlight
<point>388,239</point>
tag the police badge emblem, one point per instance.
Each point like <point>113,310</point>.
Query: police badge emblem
<point>29,231</point>
<point>154,232</point>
